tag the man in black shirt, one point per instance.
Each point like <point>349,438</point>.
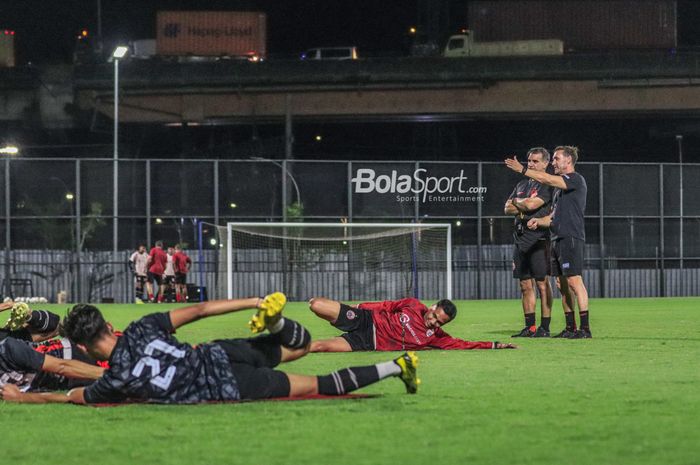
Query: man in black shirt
<point>148,364</point>
<point>530,199</point>
<point>567,228</point>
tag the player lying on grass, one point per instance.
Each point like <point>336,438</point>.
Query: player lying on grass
<point>38,366</point>
<point>148,364</point>
<point>404,324</point>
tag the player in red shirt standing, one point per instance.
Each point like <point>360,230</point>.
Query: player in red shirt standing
<point>182,267</point>
<point>391,325</point>
<point>157,259</point>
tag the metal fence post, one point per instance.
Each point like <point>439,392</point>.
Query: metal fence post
<point>479,219</point>
<point>149,243</point>
<point>8,226</point>
<point>601,229</point>
<point>662,238</point>
<point>78,231</point>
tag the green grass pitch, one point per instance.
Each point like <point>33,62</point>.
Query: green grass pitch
<point>630,395</point>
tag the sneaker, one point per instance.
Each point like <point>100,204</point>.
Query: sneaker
<point>541,332</point>
<point>582,334</point>
<point>269,313</point>
<point>408,363</point>
<point>566,334</point>
<point>527,331</point>
<point>19,315</point>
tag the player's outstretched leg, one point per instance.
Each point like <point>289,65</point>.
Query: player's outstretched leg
<point>349,379</point>
<point>292,336</point>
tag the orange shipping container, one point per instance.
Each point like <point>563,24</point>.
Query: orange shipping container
<point>211,33</point>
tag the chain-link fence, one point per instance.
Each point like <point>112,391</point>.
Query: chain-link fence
<point>57,219</point>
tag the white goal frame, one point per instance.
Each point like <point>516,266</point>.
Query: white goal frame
<point>231,225</point>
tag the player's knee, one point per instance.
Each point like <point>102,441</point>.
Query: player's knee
<point>526,286</point>
<point>318,346</point>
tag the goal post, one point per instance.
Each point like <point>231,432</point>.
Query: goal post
<point>341,261</point>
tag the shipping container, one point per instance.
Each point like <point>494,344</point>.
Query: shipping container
<point>211,33</point>
<point>7,48</point>
<point>581,24</point>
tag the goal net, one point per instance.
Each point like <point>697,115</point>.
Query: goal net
<point>341,261</point>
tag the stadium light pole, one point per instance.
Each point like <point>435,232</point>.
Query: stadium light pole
<point>286,171</point>
<point>679,139</point>
<point>119,53</point>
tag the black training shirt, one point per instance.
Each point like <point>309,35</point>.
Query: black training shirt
<point>149,364</point>
<point>568,207</point>
<point>524,237</point>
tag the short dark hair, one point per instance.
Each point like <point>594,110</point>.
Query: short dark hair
<point>570,151</point>
<point>541,150</point>
<point>159,243</point>
<point>83,324</point>
<point>448,307</point>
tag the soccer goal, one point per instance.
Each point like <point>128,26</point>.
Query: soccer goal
<point>342,261</point>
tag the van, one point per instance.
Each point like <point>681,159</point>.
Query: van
<point>330,53</point>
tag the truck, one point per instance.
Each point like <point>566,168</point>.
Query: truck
<point>7,48</point>
<point>463,45</point>
<point>230,34</point>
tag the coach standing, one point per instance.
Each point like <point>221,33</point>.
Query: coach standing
<point>530,199</point>
<point>568,236</point>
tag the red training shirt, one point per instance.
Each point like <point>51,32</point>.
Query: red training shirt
<point>399,325</point>
<point>158,260</point>
<point>181,262</point>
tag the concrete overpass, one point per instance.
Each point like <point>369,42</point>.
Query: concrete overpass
<point>391,89</point>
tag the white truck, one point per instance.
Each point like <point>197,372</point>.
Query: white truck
<point>463,45</point>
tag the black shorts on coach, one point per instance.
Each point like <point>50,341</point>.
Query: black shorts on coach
<point>358,326</point>
<point>535,263</point>
<point>567,256</point>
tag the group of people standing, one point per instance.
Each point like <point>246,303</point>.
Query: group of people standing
<point>550,238</point>
<point>164,269</point>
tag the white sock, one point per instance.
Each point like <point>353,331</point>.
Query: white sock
<point>387,369</point>
<point>277,327</point>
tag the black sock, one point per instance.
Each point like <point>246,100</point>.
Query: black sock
<point>544,324</point>
<point>570,321</point>
<point>529,319</point>
<point>43,321</point>
<point>293,335</point>
<point>583,315</point>
<point>347,380</point>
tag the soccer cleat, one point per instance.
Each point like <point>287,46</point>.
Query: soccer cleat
<point>527,331</point>
<point>566,334</point>
<point>269,313</point>
<point>541,332</point>
<point>19,315</point>
<point>408,363</point>
<point>582,334</point>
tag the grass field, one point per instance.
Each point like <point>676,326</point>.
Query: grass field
<point>630,395</point>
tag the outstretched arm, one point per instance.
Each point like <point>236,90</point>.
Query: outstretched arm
<point>71,368</point>
<point>539,176</point>
<point>447,342</point>
<point>184,315</point>
<point>11,393</point>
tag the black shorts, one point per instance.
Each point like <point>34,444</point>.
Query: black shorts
<point>567,256</point>
<point>534,263</point>
<point>358,326</point>
<point>157,278</point>
<point>180,278</point>
<point>168,279</point>
<point>252,361</point>
<point>140,279</point>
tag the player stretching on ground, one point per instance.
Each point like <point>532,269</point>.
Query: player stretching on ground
<point>40,366</point>
<point>404,324</point>
<point>148,364</point>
